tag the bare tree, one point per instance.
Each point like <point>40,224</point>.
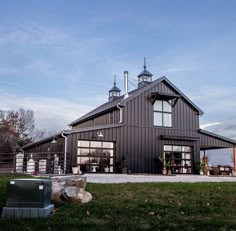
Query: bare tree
<point>39,134</point>
<point>16,127</point>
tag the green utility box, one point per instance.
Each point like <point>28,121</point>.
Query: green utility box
<point>29,193</point>
<point>28,198</point>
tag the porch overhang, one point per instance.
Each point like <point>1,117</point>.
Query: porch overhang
<point>164,96</point>
<point>186,138</point>
<point>210,141</point>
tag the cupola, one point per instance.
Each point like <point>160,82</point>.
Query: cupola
<point>145,77</point>
<point>114,92</point>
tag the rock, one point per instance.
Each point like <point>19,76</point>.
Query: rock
<point>70,189</point>
<point>87,197</point>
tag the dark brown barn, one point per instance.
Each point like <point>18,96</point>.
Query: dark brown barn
<point>135,129</point>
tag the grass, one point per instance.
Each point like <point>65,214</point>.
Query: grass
<point>140,206</point>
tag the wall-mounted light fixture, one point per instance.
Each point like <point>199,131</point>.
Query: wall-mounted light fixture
<point>99,134</point>
<point>54,141</point>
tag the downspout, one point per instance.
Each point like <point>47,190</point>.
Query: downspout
<point>118,106</point>
<point>65,154</point>
<point>234,159</point>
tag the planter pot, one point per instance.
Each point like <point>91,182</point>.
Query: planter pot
<point>205,170</point>
<point>106,169</point>
<point>75,170</point>
<point>201,172</point>
<point>124,170</point>
<point>164,171</point>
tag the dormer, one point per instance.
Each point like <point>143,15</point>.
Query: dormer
<point>145,77</point>
<point>114,92</point>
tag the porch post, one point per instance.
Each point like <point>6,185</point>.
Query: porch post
<point>234,158</point>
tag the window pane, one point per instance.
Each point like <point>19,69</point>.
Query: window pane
<point>186,155</point>
<point>94,160</point>
<point>167,147</point>
<point>177,148</point>
<point>158,105</point>
<point>111,161</point>
<point>83,143</point>
<point>107,153</point>
<point>177,155</point>
<point>157,119</point>
<point>83,160</point>
<point>95,152</point>
<point>188,163</point>
<point>167,120</point>
<point>83,151</point>
<point>96,144</point>
<point>186,149</point>
<point>168,155</point>
<point>166,106</point>
<point>107,144</point>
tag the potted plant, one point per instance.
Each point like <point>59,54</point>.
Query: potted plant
<point>164,163</point>
<point>200,165</point>
<point>168,167</point>
<point>75,168</point>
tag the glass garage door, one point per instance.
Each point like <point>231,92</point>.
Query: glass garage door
<point>95,156</point>
<point>179,158</point>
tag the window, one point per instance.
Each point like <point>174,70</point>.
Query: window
<point>162,113</point>
<point>114,93</point>
<point>145,78</point>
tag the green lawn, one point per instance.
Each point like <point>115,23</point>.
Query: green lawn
<point>141,206</point>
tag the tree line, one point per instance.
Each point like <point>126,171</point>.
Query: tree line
<point>17,128</point>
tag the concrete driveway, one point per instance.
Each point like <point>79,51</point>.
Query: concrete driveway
<point>123,178</point>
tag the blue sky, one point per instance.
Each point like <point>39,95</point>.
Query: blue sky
<point>59,58</point>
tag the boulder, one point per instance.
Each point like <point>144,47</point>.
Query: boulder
<point>70,189</point>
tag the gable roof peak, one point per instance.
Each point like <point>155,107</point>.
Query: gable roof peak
<point>120,100</point>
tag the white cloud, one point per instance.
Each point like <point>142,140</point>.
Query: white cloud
<point>175,69</point>
<point>210,125</point>
<point>50,113</point>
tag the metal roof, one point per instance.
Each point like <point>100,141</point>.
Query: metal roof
<point>115,88</point>
<point>44,140</point>
<point>145,72</point>
<point>121,101</point>
<point>217,136</point>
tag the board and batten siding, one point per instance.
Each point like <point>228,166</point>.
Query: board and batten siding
<point>143,144</point>
<point>139,140</point>
<point>208,141</point>
<point>139,110</point>
<point>47,147</point>
<point>112,117</point>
